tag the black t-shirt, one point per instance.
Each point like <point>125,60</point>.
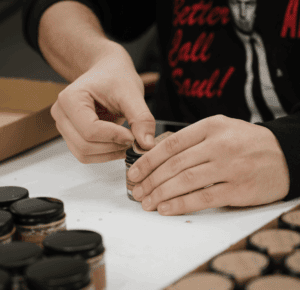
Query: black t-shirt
<point>217,57</point>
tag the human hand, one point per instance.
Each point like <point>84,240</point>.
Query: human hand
<point>218,161</point>
<point>90,111</point>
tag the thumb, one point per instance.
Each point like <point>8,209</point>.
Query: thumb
<point>141,121</point>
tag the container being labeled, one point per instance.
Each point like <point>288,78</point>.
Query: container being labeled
<point>11,194</point>
<point>87,245</point>
<point>36,218</point>
<point>15,258</point>
<point>63,273</point>
<point>7,227</point>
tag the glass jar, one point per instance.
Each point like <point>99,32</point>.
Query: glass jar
<point>11,194</point>
<point>63,273</point>
<point>131,157</point>
<point>36,218</point>
<point>7,227</point>
<point>80,243</point>
<point>15,258</point>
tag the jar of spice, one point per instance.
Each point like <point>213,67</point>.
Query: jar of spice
<point>15,258</point>
<point>36,218</point>
<point>11,194</point>
<point>7,227</point>
<point>5,281</point>
<point>83,244</point>
<point>61,273</point>
<point>131,157</point>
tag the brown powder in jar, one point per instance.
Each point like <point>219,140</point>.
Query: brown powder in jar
<point>7,227</point>
<point>36,218</point>
<point>80,243</point>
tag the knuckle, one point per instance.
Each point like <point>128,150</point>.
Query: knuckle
<point>147,162</point>
<point>175,163</point>
<point>62,97</point>
<point>83,149</point>
<point>188,177</point>
<point>53,111</point>
<point>89,135</point>
<point>158,193</point>
<point>205,197</point>
<point>217,120</point>
<point>172,144</point>
<point>181,204</point>
<point>149,184</point>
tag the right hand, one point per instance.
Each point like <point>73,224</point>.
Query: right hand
<point>90,111</point>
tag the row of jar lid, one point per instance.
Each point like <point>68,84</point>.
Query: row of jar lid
<point>28,264</point>
<point>32,219</point>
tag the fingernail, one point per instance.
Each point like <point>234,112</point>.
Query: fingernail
<point>133,173</point>
<point>149,139</point>
<point>138,191</point>
<point>147,202</point>
<point>165,207</point>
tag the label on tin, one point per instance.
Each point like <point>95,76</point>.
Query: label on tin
<point>7,239</point>
<point>37,234</point>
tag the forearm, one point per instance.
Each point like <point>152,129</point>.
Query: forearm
<point>71,39</point>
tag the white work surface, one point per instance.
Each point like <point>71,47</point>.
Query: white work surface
<point>143,249</point>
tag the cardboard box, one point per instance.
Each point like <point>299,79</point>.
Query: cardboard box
<point>240,245</point>
<point>25,119</point>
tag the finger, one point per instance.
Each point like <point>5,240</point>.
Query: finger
<point>194,156</point>
<point>81,146</point>
<point>79,107</point>
<point>188,180</point>
<point>217,195</point>
<point>96,158</point>
<point>139,118</point>
<point>171,146</point>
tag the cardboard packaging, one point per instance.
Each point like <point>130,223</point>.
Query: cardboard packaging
<point>25,119</point>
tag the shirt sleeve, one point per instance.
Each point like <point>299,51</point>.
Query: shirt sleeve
<point>287,132</point>
<point>123,20</point>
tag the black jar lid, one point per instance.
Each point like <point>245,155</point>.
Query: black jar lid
<point>16,256</point>
<point>87,244</point>
<point>62,273</point>
<point>6,222</point>
<point>11,194</point>
<point>40,210</point>
<point>131,156</point>
<point>5,280</point>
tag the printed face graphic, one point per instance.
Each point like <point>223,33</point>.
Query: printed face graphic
<point>243,14</point>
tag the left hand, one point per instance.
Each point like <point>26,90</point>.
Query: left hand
<point>218,161</point>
